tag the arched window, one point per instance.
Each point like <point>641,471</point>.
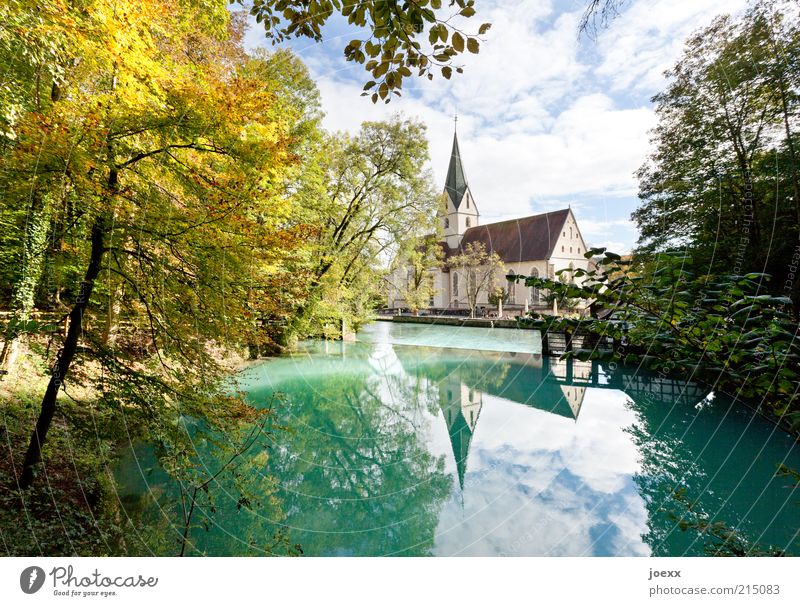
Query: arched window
<point>455,284</point>
<point>512,288</point>
<point>469,223</point>
<point>446,223</point>
<point>570,233</point>
<point>536,294</point>
<point>467,199</point>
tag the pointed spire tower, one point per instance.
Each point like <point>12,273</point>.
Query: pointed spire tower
<point>460,212</point>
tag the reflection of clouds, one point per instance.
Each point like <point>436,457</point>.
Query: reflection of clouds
<point>542,484</point>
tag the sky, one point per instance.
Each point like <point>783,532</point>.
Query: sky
<point>547,118</point>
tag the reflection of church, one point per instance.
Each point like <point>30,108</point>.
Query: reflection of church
<point>545,383</point>
<point>461,407</point>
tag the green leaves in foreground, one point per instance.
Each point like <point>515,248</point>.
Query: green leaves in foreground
<point>400,38</point>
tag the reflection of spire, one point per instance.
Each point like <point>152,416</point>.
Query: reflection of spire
<point>461,408</point>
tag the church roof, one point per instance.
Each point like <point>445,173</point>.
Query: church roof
<point>456,182</point>
<point>526,239</point>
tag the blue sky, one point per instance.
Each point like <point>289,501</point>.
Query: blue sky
<point>547,118</point>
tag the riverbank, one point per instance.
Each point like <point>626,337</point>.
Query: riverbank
<point>71,509</point>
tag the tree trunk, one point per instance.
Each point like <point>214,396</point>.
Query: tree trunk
<point>64,358</point>
<point>115,295</point>
<point>792,156</point>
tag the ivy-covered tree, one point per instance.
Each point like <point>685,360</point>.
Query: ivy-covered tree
<point>179,149</point>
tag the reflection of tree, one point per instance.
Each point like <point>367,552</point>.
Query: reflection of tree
<point>690,450</point>
<point>226,495</point>
<point>355,477</point>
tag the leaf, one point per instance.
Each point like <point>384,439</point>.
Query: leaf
<point>473,45</point>
<point>458,42</point>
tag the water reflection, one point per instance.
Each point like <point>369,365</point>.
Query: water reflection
<point>406,450</point>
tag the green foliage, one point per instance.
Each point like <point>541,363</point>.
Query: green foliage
<point>726,330</point>
<point>415,261</point>
<point>722,183</point>
<point>401,37</point>
<point>366,197</point>
<point>498,295</point>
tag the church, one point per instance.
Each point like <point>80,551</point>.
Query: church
<point>537,245</point>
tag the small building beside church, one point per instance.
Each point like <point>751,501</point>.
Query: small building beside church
<point>537,245</point>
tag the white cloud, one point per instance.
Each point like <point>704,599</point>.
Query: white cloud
<point>546,117</point>
<point>649,37</point>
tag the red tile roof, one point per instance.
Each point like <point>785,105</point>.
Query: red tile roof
<point>526,239</point>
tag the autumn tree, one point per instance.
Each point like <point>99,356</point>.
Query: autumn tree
<point>478,271</point>
<point>179,148</point>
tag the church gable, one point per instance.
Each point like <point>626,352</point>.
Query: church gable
<point>570,243</point>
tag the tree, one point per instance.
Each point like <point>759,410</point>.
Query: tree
<point>415,263</point>
<point>179,148</point>
<point>498,296</point>
<point>370,193</point>
<point>667,316</point>
<point>722,176</point>
<point>391,49</point>
<point>477,269</point>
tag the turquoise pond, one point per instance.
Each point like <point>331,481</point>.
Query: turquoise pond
<point>439,440</point>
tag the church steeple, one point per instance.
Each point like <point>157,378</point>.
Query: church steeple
<point>460,213</point>
<point>456,182</point>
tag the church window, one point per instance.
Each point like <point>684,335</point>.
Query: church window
<point>570,233</point>
<point>579,249</point>
<point>562,249</point>
<point>535,292</point>
<point>512,289</point>
<point>570,249</point>
<point>455,285</point>
<point>446,222</point>
<point>467,198</point>
<point>469,223</point>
